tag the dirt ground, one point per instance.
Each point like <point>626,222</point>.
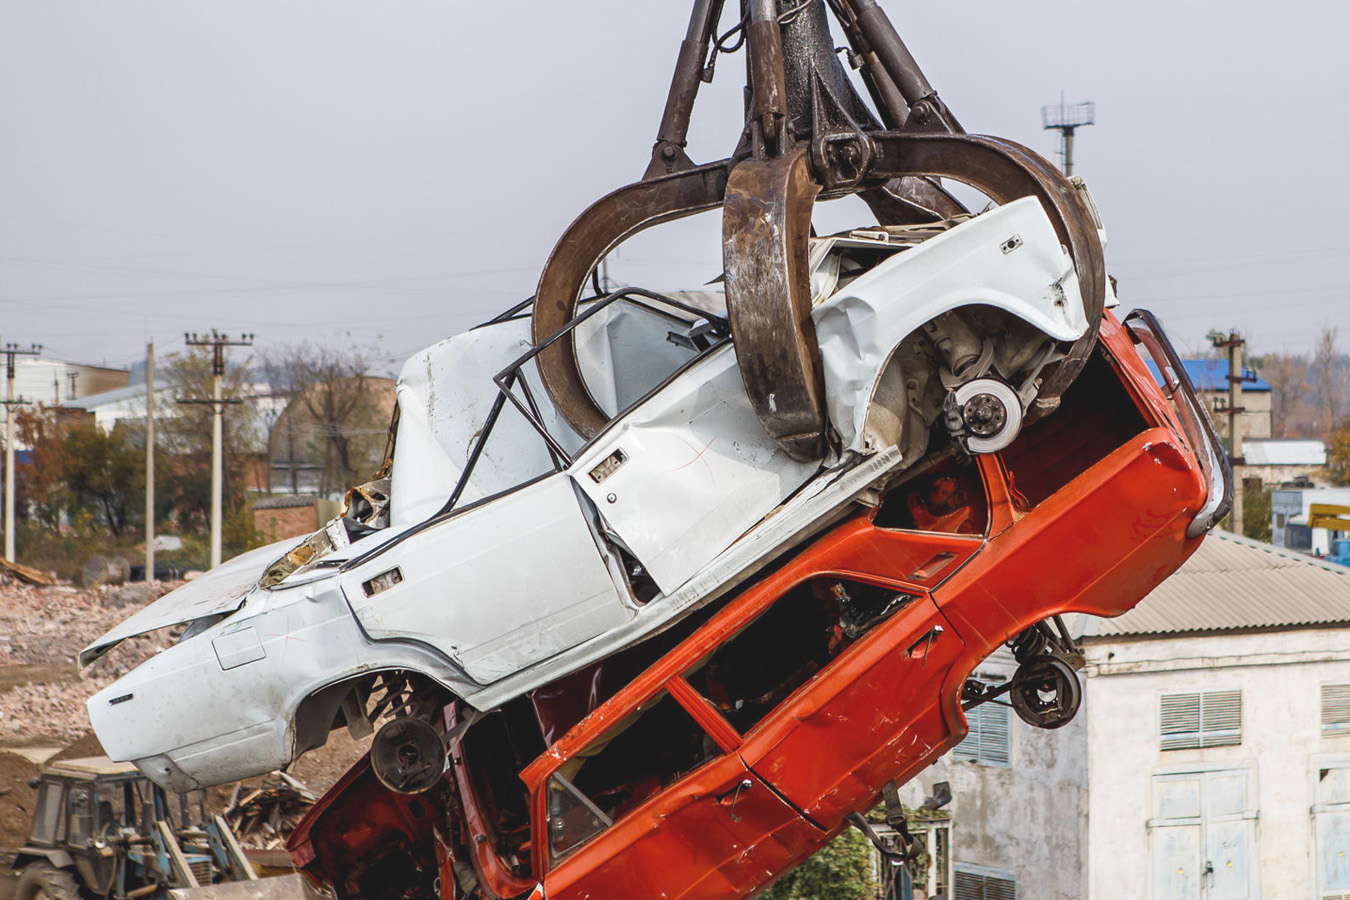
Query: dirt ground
<point>42,693</point>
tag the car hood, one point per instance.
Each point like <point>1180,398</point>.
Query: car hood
<point>220,590</point>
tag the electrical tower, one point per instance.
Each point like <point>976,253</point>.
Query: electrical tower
<point>217,342</point>
<point>11,351</point>
<point>1066,119</point>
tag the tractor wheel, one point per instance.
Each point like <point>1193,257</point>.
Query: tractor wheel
<point>43,881</point>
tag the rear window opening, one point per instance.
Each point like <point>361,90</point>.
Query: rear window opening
<point>949,498</point>
<point>786,645</point>
<point>1096,415</point>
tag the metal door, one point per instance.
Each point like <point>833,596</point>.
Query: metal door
<point>1202,838</point>
<point>1331,830</point>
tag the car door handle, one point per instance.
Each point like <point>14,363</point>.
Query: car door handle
<point>921,647</point>
<point>735,795</point>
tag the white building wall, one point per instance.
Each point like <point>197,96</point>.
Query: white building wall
<point>1280,675</point>
<point>1027,818</point>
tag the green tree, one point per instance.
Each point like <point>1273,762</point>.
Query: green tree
<point>78,468</point>
<point>1338,454</point>
<point>1256,510</point>
<point>841,870</point>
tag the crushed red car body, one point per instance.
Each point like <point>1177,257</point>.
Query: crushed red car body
<point>717,755</point>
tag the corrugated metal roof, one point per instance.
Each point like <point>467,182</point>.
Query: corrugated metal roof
<point>1274,452</point>
<point>1234,583</point>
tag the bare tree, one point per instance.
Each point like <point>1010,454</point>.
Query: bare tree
<point>337,418</point>
<point>1287,376</point>
<point>1328,379</point>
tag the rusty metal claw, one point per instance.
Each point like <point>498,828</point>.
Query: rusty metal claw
<point>766,229</point>
<point>805,128</point>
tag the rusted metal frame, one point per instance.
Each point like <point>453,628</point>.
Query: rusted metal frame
<point>765,244</point>
<point>668,152</point>
<point>890,103</point>
<point>1006,171</point>
<point>1145,329</point>
<point>768,89</point>
<point>607,223</point>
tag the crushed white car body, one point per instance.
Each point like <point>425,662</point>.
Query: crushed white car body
<point>512,552</point>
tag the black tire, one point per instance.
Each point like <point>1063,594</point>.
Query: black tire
<point>43,881</point>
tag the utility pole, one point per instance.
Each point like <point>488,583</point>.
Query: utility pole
<point>1234,343</point>
<point>150,463</point>
<point>72,377</point>
<point>217,342</point>
<point>11,351</point>
<point>1066,119</point>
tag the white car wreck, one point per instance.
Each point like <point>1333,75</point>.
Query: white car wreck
<point>503,551</point>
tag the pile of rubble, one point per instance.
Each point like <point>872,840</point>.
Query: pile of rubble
<point>42,628</point>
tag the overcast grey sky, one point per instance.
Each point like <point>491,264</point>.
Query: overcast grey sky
<point>306,168</point>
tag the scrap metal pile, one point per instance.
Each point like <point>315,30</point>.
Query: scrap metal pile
<point>654,593</point>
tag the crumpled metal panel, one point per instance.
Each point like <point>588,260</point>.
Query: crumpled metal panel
<point>223,589</point>
<point>860,326</point>
<point>446,390</point>
<point>497,588</point>
<point>698,471</point>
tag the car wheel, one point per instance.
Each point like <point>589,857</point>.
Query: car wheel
<point>43,881</point>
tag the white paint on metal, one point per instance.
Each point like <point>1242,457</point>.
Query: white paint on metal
<point>860,326</point>
<point>701,471</point>
<point>221,590</point>
<point>496,588</point>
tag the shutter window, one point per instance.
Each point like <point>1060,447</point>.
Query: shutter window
<point>988,740</point>
<point>1335,709</point>
<point>1209,719</point>
<point>979,885</point>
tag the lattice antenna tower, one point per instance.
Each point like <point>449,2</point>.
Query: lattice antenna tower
<point>1066,118</point>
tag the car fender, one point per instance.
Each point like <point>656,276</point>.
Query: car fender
<point>1008,258</point>
<point>58,858</point>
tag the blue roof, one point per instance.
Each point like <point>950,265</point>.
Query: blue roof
<point>1212,375</point>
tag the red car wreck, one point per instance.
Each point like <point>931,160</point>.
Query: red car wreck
<point>713,757</point>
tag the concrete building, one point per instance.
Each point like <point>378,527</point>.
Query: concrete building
<point>39,379</point>
<point>1211,759</point>
<point>1277,461</point>
<point>1210,377</point>
<point>1289,509</point>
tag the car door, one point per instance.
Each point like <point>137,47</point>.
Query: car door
<point>656,805</point>
<point>871,708</point>
<point>683,475</point>
<point>497,587</point>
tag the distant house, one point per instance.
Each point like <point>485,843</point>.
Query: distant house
<point>1289,511</point>
<point>39,379</point>
<point>1211,758</point>
<point>327,438</point>
<point>1277,461</point>
<point>1210,377</point>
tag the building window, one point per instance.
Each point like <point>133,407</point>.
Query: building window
<point>1335,709</point>
<point>1209,719</point>
<point>988,741</point>
<point>980,883</point>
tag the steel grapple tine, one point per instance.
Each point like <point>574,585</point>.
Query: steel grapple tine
<point>594,233</point>
<point>766,226</point>
<point>1005,171</point>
